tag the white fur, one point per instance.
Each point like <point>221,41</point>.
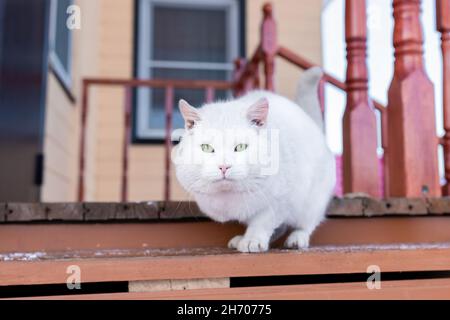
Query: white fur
<point>296,196</point>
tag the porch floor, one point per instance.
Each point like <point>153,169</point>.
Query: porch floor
<point>152,265</point>
<point>181,249</point>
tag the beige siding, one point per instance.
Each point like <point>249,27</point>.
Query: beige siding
<point>62,126</point>
<point>104,47</point>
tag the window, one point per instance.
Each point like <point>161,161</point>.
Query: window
<point>182,39</point>
<point>60,42</point>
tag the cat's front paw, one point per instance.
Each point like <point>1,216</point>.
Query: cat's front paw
<point>297,239</point>
<point>252,245</point>
<point>234,242</point>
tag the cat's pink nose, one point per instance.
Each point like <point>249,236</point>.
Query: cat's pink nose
<point>224,168</point>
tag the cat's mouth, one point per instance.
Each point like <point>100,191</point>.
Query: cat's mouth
<point>224,182</point>
<point>223,179</point>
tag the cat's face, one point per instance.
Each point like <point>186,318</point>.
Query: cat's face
<point>222,151</point>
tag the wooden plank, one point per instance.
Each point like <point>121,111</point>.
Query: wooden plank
<point>103,211</point>
<point>346,207</point>
<point>190,234</point>
<point>162,83</point>
<point>110,211</point>
<point>439,205</point>
<point>146,210</point>
<point>392,206</point>
<point>64,211</point>
<point>25,212</point>
<point>179,210</point>
<point>120,211</point>
<point>402,289</point>
<point>221,263</point>
<point>2,211</point>
<point>61,237</point>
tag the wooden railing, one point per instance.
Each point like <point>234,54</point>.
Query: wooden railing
<point>407,124</point>
<point>209,86</point>
<point>443,26</point>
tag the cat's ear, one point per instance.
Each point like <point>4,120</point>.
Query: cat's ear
<point>257,113</point>
<point>189,113</point>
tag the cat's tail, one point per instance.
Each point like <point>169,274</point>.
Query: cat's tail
<point>307,94</point>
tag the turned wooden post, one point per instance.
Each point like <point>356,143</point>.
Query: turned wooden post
<point>443,26</point>
<point>126,142</point>
<point>239,66</point>
<point>413,165</point>
<point>83,136</point>
<point>246,76</point>
<point>269,46</point>
<point>168,106</point>
<point>359,123</point>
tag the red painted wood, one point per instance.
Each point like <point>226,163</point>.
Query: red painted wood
<point>162,83</point>
<point>359,124</point>
<point>209,94</point>
<point>269,46</point>
<point>304,63</point>
<point>239,66</point>
<point>253,82</point>
<point>246,74</point>
<point>413,165</point>
<point>126,142</point>
<point>443,26</point>
<point>384,144</point>
<point>168,141</point>
<point>82,151</point>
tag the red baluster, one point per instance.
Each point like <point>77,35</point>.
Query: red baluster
<point>359,124</point>
<point>413,165</point>
<point>269,46</point>
<point>126,142</point>
<point>209,94</point>
<point>384,145</point>
<point>168,141</point>
<point>443,26</point>
<point>82,151</point>
<point>239,66</point>
<point>253,81</point>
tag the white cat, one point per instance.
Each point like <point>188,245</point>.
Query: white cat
<point>260,160</point>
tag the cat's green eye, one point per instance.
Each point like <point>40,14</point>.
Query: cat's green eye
<point>207,148</point>
<point>240,147</point>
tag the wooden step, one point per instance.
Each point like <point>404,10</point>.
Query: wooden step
<point>40,254</point>
<point>57,237</point>
<point>405,289</point>
<point>205,263</point>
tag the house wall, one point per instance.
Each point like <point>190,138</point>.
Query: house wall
<point>62,123</point>
<point>108,35</point>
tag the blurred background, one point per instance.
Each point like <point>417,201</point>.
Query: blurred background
<point>47,48</point>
